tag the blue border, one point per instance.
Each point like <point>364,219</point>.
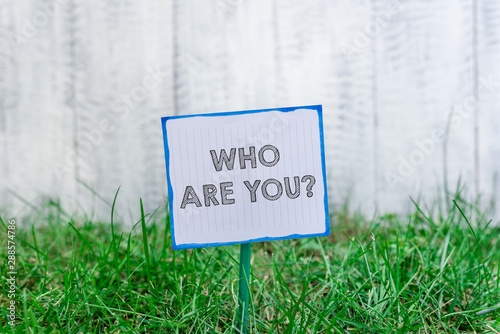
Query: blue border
<point>164,120</point>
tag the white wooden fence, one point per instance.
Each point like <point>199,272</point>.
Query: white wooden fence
<point>410,92</point>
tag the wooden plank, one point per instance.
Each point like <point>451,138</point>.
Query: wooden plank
<point>224,56</point>
<point>424,69</point>
<point>36,128</point>
<point>200,56</point>
<point>488,95</point>
<point>158,47</point>
<point>8,96</point>
<point>130,91</point>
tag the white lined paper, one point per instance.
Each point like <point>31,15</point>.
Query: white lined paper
<point>296,135</point>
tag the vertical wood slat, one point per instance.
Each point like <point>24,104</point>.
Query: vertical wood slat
<point>34,119</point>
<point>157,51</point>
<point>424,68</point>
<point>488,94</point>
<point>224,55</point>
<point>8,98</point>
<point>131,90</point>
<point>352,135</point>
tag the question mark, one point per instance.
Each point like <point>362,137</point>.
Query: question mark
<point>309,187</point>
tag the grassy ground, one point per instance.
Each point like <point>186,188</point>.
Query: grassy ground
<point>387,275</point>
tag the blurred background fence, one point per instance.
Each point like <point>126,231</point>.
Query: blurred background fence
<point>410,93</point>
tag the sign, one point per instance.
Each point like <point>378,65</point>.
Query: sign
<point>246,176</point>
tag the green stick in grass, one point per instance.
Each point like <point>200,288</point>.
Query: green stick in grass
<point>243,292</point>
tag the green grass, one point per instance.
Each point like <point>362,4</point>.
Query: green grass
<point>419,274</point>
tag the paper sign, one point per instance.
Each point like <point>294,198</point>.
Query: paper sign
<point>246,176</point>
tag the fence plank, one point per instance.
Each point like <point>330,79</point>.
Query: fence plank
<point>424,69</point>
<point>488,103</point>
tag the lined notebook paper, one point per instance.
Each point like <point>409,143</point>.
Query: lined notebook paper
<point>246,176</point>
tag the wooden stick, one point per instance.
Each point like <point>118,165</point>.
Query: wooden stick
<point>244,283</point>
